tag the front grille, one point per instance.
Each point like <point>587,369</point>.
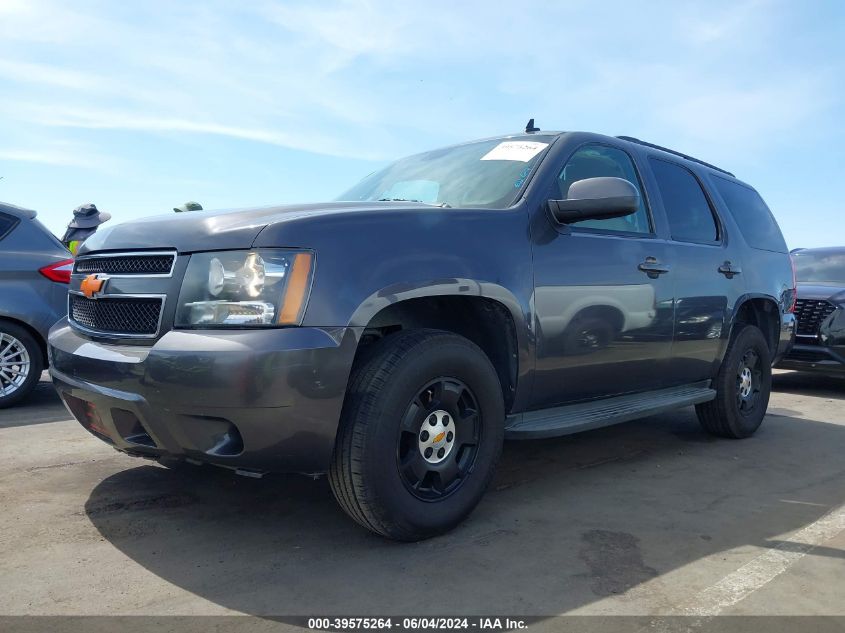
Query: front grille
<point>138,264</point>
<point>132,316</point>
<point>810,314</point>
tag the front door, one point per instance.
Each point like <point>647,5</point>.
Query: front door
<point>603,294</point>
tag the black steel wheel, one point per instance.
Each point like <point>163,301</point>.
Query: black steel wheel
<point>749,380</point>
<point>438,440</point>
<point>742,386</point>
<point>420,434</point>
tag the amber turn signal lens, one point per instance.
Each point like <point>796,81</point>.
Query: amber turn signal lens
<point>297,288</point>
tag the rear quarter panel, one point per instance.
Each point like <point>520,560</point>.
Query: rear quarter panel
<point>767,274</point>
<point>25,294</point>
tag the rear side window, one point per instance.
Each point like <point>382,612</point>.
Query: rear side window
<point>7,223</point>
<point>756,222</point>
<point>690,216</point>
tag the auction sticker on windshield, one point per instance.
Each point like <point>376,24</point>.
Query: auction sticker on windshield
<point>521,151</point>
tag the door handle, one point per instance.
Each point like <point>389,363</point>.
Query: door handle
<point>653,268</point>
<point>729,270</point>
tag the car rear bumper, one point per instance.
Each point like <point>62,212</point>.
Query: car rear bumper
<point>820,351</point>
<point>264,400</point>
<point>786,336</point>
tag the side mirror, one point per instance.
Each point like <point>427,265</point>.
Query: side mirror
<point>596,199</point>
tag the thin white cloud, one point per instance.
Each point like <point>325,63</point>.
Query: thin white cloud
<point>372,78</point>
<point>706,26</point>
<point>44,74</point>
<point>53,156</point>
<point>102,119</point>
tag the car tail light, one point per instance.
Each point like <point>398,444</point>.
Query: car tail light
<point>794,286</point>
<point>58,272</point>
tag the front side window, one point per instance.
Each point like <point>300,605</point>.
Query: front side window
<point>486,174</point>
<point>689,213</point>
<point>595,161</point>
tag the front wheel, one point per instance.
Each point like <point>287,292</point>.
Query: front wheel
<point>421,432</point>
<point>742,387</point>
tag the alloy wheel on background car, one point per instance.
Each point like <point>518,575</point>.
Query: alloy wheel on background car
<point>14,364</point>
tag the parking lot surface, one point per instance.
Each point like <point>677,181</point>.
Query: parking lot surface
<point>651,517</point>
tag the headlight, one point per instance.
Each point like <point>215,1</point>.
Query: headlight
<point>245,288</point>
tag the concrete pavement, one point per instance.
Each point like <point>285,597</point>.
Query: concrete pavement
<point>647,518</point>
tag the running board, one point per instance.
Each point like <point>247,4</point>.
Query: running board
<point>583,416</point>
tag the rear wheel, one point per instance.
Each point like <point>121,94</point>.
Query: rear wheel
<point>420,435</point>
<point>20,364</point>
<point>742,387</point>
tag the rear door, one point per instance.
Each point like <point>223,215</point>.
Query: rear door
<point>706,267</point>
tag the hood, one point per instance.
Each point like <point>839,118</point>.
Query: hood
<point>224,229</point>
<point>832,292</point>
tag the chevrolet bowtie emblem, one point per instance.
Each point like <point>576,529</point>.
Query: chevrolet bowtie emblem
<point>91,285</point>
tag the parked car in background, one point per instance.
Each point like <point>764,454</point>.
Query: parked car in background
<point>820,310</point>
<point>526,286</point>
<point>34,272</point>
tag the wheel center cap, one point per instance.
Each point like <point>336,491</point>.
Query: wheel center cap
<point>745,382</point>
<point>437,437</point>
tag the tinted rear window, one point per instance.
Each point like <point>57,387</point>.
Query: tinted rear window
<point>7,223</point>
<point>756,222</point>
<point>689,213</point>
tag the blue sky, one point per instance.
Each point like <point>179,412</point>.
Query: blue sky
<point>139,106</point>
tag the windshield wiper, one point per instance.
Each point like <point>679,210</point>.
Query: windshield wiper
<point>442,205</point>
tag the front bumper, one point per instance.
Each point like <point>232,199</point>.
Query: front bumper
<point>264,400</point>
<point>822,352</point>
<point>815,358</point>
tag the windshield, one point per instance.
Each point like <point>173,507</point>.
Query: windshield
<point>824,267</point>
<point>488,174</point>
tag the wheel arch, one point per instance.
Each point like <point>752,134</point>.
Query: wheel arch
<point>495,323</point>
<point>762,311</point>
<point>42,344</point>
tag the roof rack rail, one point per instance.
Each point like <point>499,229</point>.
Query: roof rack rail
<point>671,151</point>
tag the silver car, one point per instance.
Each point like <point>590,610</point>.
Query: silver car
<point>34,272</point>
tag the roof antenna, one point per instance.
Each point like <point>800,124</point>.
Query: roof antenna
<point>530,127</point>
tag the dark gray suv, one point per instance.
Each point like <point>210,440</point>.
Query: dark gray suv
<point>820,310</point>
<point>523,286</point>
<point>34,272</point>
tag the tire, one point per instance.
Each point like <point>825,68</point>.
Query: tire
<point>21,363</point>
<point>732,413</point>
<point>388,472</point>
